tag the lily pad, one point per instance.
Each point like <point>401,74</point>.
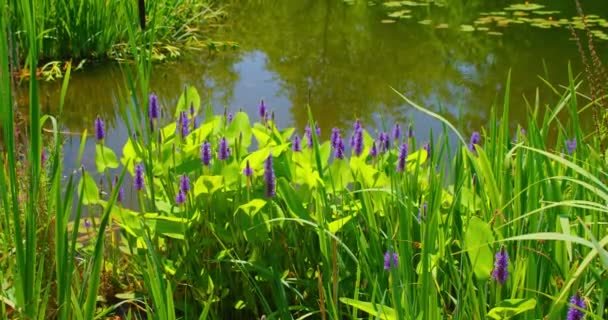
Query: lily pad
<point>426,21</point>
<point>396,4</point>
<point>442,26</point>
<point>524,7</point>
<point>388,21</point>
<point>467,28</point>
<point>520,13</point>
<point>398,14</point>
<point>483,29</point>
<point>495,33</point>
<point>546,12</point>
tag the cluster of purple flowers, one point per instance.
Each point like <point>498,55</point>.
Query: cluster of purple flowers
<point>575,311</point>
<point>501,265</point>
<point>475,139</point>
<point>184,188</point>
<point>138,180</point>
<point>356,140</point>
<point>206,153</point>
<point>223,150</point>
<point>269,177</point>
<point>390,263</point>
<point>571,145</point>
<point>295,144</point>
<point>402,158</point>
<point>153,110</point>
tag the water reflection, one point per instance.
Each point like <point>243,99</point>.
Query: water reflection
<point>341,61</point>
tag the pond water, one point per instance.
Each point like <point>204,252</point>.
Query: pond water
<point>342,58</point>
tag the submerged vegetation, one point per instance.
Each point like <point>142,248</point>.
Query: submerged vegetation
<point>206,215</point>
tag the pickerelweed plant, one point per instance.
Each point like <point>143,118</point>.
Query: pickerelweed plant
<point>267,228</point>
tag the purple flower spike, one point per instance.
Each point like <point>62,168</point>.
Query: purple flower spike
<point>475,139</point>
<point>335,135</point>
<point>427,147</point>
<point>396,132</point>
<point>317,130</point>
<point>402,158</point>
<point>295,144</point>
<point>192,111</point>
<point>184,122</point>
<point>230,117</point>
<point>206,153</point>
<point>384,142</point>
<point>388,260</point>
<point>358,143</point>
<point>138,181</point>
<point>308,134</point>
<point>422,212</point>
<point>339,150</point>
<point>262,111</point>
<point>100,129</point>
<point>574,313</point>
<point>153,109</point>
<point>269,177</point>
<point>501,264</point>
<point>248,172</point>
<point>410,131</point>
<point>357,126</point>
<point>373,152</point>
<point>184,183</point>
<point>87,223</point>
<point>223,150</point>
<point>180,198</point>
<point>571,145</point>
<point>121,192</point>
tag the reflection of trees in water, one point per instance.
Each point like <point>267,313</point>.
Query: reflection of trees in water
<point>92,92</point>
<point>341,60</point>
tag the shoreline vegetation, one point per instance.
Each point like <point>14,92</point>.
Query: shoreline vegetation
<point>79,32</point>
<point>238,218</point>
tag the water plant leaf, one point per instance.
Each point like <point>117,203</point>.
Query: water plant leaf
<point>336,225</point>
<point>208,184</point>
<point>105,158</point>
<point>524,7</point>
<point>478,238</point>
<point>400,13</point>
<point>253,207</point>
<point>240,125</point>
<point>88,189</point>
<point>509,308</point>
<point>377,310</point>
<point>467,28</point>
<point>292,200</point>
<point>189,97</point>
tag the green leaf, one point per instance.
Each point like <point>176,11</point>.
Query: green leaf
<point>208,184</point>
<point>509,308</point>
<point>478,238</point>
<point>253,207</point>
<point>376,310</point>
<point>88,190</point>
<point>292,200</point>
<point>336,225</point>
<point>105,158</point>
<point>190,96</point>
<point>240,125</point>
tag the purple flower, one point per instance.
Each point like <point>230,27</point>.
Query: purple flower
<point>387,260</point>
<point>230,117</point>
<point>475,139</point>
<point>182,124</point>
<point>358,143</point>
<point>410,131</point>
<point>269,177</point>
<point>339,150</point>
<point>87,223</point>
<point>121,191</point>
<point>396,132</point>
<point>335,135</point>
<point>192,111</point>
<point>308,134</point>
<point>317,130</point>
<point>373,152</point>
<point>574,313</point>
<point>223,150</point>
<point>262,111</point>
<point>571,145</point>
<point>501,264</point>
<point>153,109</point>
<point>180,198</point>
<point>522,131</point>
<point>206,153</point>
<point>248,172</point>
<point>384,142</point>
<point>427,147</point>
<point>100,129</point>
<point>184,183</point>
<point>402,158</point>
<point>295,144</point>
<point>138,181</point>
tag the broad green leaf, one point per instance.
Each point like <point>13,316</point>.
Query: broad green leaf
<point>208,184</point>
<point>375,310</point>
<point>189,97</point>
<point>253,207</point>
<point>87,189</point>
<point>240,125</point>
<point>256,159</point>
<point>478,238</point>
<point>509,308</point>
<point>336,225</point>
<point>105,158</point>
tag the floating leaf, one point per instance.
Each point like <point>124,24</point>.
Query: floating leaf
<point>495,33</point>
<point>399,13</point>
<point>442,26</point>
<point>467,28</point>
<point>524,7</point>
<point>388,21</point>
<point>426,21</point>
<point>546,12</point>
